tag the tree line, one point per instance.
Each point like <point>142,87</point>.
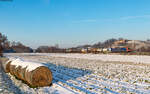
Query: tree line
<point>17,47</point>
<point>7,46</point>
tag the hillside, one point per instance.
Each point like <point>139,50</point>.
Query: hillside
<point>136,45</point>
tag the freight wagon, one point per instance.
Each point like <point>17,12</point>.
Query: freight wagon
<point>115,50</point>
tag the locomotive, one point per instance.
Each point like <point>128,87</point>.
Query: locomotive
<point>125,49</point>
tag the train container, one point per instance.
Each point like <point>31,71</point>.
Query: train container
<point>121,49</point>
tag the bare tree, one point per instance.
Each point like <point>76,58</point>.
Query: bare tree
<point>3,43</point>
<point>18,47</point>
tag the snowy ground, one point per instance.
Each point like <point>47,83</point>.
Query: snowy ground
<point>88,73</point>
<point>6,85</point>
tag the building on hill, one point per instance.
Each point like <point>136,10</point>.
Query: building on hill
<point>120,44</point>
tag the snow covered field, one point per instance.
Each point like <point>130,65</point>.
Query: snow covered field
<point>88,73</point>
<point>102,57</point>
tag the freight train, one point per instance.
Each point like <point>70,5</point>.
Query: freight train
<point>99,50</point>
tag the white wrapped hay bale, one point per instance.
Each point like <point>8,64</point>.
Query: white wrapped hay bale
<point>34,74</point>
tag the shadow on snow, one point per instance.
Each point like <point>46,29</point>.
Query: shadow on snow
<point>66,75</point>
<point>8,84</point>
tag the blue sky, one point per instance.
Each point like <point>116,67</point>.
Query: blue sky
<point>74,22</point>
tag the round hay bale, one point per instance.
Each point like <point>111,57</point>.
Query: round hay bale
<point>12,69</point>
<point>21,73</point>
<point>17,72</point>
<point>33,73</point>
<point>39,77</point>
<point>5,64</point>
<point>7,70</point>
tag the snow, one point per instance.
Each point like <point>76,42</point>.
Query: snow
<point>25,64</point>
<point>6,85</point>
<point>90,74</point>
<point>103,57</point>
<point>107,57</point>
